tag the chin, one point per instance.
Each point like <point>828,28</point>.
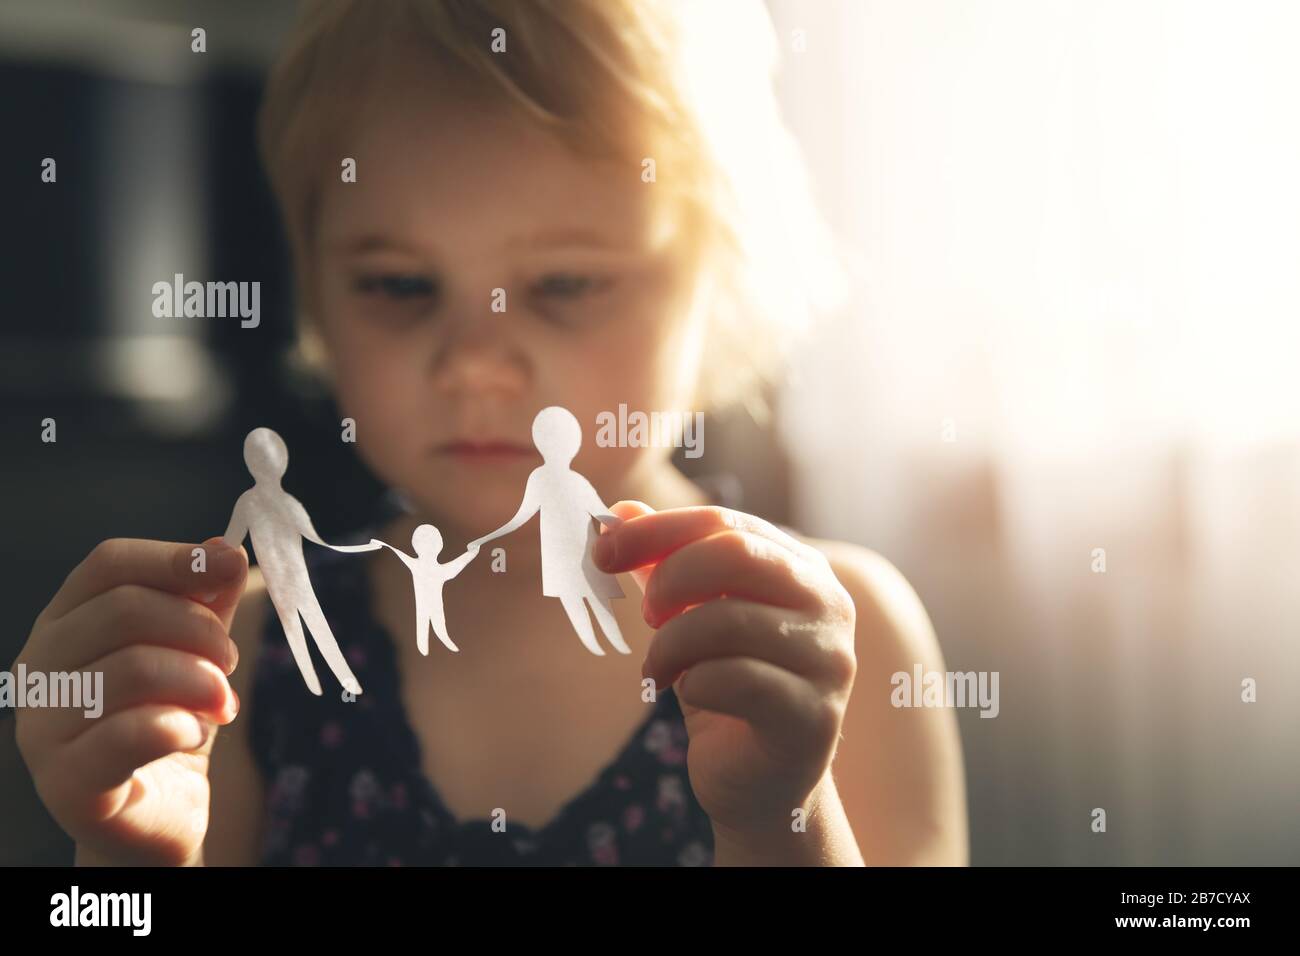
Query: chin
<point>471,508</point>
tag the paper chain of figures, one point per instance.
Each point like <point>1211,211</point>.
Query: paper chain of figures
<point>278,525</point>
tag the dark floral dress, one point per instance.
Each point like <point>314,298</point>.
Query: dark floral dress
<point>345,785</point>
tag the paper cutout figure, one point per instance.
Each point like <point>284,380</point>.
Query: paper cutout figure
<point>428,576</point>
<point>568,503</point>
<point>277,523</point>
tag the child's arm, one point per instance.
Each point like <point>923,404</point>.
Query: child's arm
<point>775,630</point>
<point>916,818</point>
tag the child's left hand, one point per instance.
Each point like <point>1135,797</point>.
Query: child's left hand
<point>756,634</point>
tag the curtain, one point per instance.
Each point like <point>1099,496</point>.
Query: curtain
<point>1064,399</point>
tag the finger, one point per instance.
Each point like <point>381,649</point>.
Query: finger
<point>737,628</point>
<point>624,511</point>
<point>734,564</point>
<point>140,674</point>
<point>223,600</point>
<point>783,708</point>
<point>132,614</point>
<point>649,538</point>
<point>94,772</point>
<point>185,569</point>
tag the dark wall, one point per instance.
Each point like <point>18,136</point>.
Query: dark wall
<point>111,473</point>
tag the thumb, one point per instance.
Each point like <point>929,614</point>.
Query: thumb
<point>227,577</point>
<point>627,510</point>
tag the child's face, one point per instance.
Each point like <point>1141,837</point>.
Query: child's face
<point>455,199</point>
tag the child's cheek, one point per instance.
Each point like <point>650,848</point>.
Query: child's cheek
<point>646,353</point>
<point>382,399</point>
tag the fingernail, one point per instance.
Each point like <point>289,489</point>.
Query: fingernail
<point>206,730</point>
<point>225,562</point>
<point>234,696</point>
<point>232,658</point>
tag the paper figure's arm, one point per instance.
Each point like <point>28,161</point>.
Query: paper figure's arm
<point>527,508</point>
<point>237,529</point>
<point>302,520</point>
<point>406,558</point>
<point>454,568</point>
<point>596,508</point>
<point>374,545</point>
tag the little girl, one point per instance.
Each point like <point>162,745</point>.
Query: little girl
<point>495,207</point>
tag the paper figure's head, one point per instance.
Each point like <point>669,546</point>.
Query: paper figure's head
<point>266,455</point>
<point>426,540</point>
<point>557,434</point>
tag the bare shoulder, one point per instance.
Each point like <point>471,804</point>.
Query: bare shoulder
<point>234,828</point>
<point>888,608</point>
<point>899,772</point>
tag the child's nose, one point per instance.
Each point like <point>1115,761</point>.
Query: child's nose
<point>480,357</point>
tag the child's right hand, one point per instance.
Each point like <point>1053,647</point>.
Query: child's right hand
<point>131,785</point>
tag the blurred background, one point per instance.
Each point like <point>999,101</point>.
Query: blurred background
<point>1076,327</point>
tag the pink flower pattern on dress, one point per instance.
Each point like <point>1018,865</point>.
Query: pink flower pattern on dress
<point>602,842</point>
<point>345,784</point>
<point>665,742</point>
<point>633,817</point>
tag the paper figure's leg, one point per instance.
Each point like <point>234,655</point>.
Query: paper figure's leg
<point>421,624</point>
<point>439,621</point>
<point>328,647</point>
<point>576,608</point>
<point>605,618</point>
<point>288,615</point>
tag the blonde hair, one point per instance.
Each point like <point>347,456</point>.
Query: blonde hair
<point>685,82</point>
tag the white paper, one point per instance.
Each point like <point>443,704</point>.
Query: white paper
<point>428,577</point>
<point>277,523</point>
<point>567,504</point>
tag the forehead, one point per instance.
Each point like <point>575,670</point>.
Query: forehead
<point>442,161</point>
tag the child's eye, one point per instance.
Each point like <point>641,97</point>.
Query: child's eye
<point>567,285</point>
<point>401,288</point>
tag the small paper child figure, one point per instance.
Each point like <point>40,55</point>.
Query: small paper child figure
<point>428,577</point>
<point>568,503</point>
<point>277,523</point>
